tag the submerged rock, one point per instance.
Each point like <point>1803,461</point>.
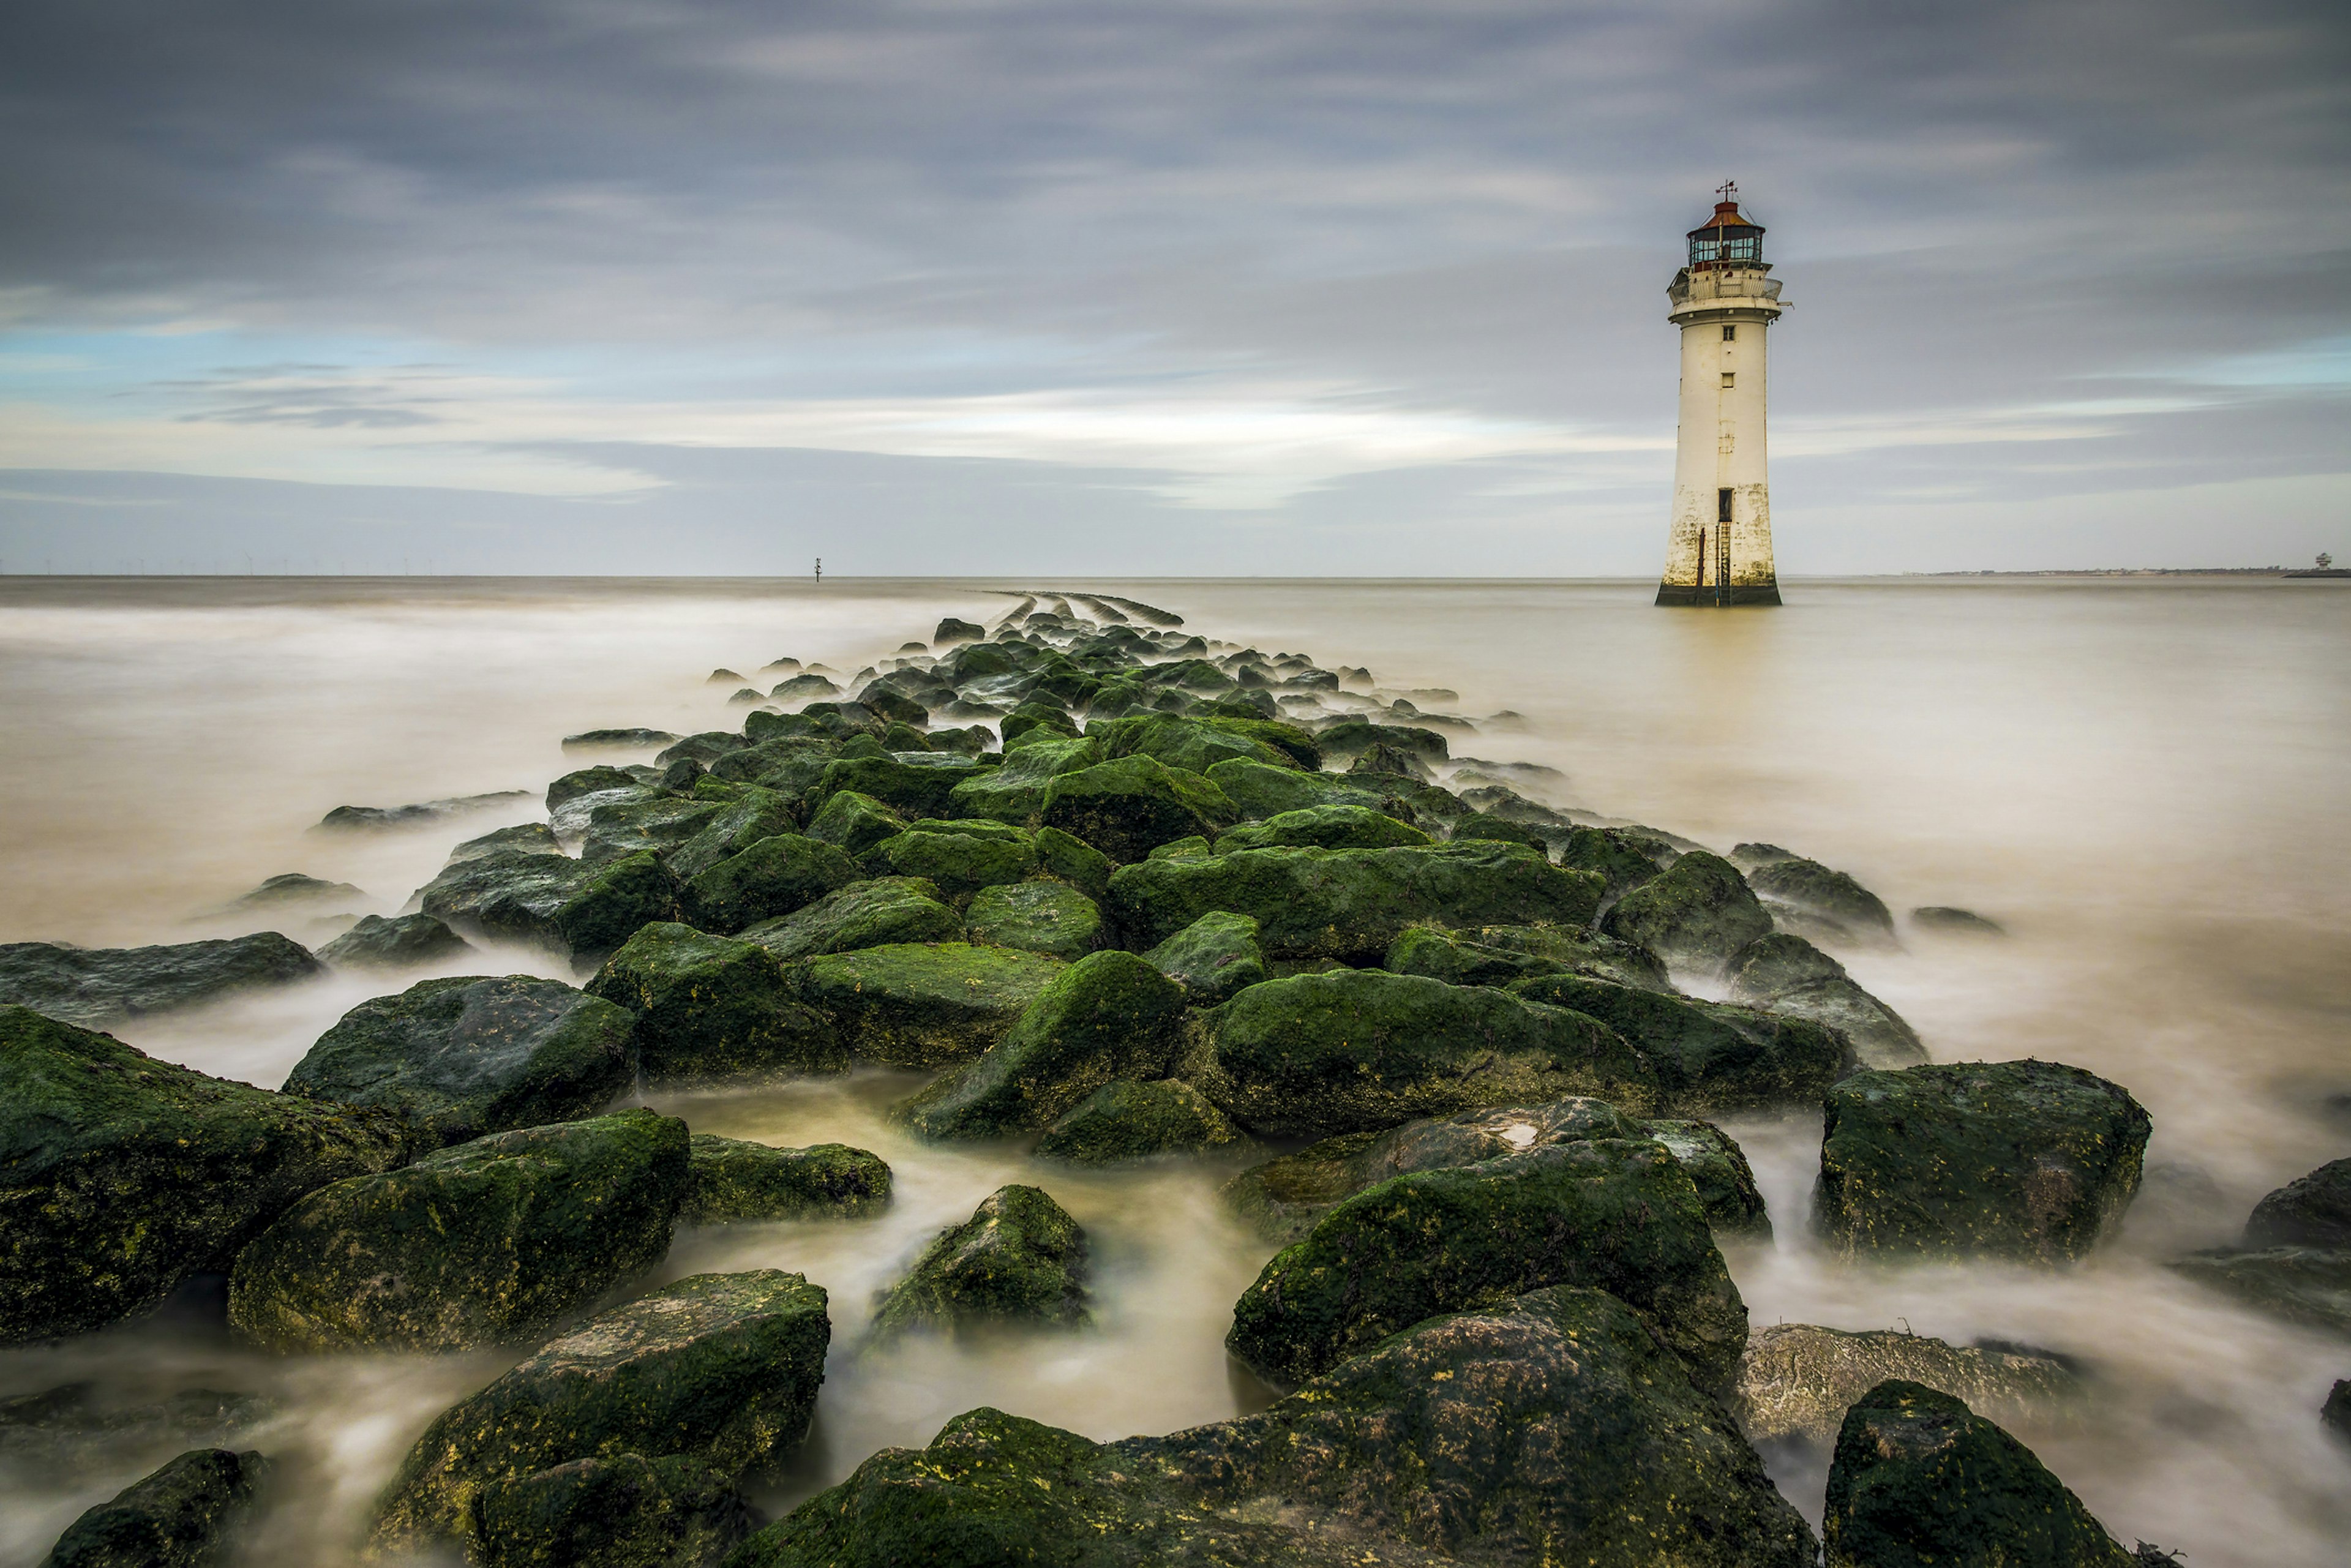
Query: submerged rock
<point>1049,917</point>
<point>2310,1285</point>
<point>398,942</point>
<point>1786,974</point>
<point>1962,922</point>
<point>1918,1477</point>
<point>709,1006</point>
<point>1626,859</point>
<point>1213,958</point>
<point>485,1243</point>
<point>1698,912</point>
<point>1817,890</point>
<point>362,817</point>
<point>92,986</point>
<point>61,1435</point>
<point>591,738</point>
<point>719,1370</point>
<point>886,910</point>
<point>733,1180</point>
<point>2033,1161</point>
<point>1124,1120</point>
<point>1708,1056</point>
<point>1020,1259</point>
<point>126,1175</point>
<point>471,1055</point>
<point>1798,1380</point>
<point>2313,1210</point>
<point>183,1516</point>
<point>922,1005</point>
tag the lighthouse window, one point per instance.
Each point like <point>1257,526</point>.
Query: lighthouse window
<point>1722,506</point>
<point>1730,334</point>
<point>1729,377</point>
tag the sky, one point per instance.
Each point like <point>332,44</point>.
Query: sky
<point>1157,288</point>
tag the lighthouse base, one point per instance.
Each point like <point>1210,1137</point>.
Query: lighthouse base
<point>1712,594</point>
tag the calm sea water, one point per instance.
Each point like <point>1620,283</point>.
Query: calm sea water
<point>2144,779</point>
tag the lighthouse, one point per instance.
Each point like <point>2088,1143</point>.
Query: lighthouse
<point>1718,551</point>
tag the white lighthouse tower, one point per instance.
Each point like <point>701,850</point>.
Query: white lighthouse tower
<point>1725,300</point>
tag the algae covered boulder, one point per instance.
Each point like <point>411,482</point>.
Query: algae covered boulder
<point>395,942</point>
<point>1617,1215</point>
<point>1718,1167</point>
<point>1213,958</point>
<point>2313,1210</point>
<point>1788,975</point>
<point>1109,1015</point>
<point>1015,791</point>
<point>1499,954</point>
<point>721,1370</point>
<point>1049,917</point>
<point>918,784</point>
<point>735,1179</point>
<point>471,1055</point>
<point>1355,1050</point>
<point>2033,1161</point>
<point>922,1005</point>
<point>1814,889</point>
<point>1917,1478</point>
<point>958,859</point>
<point>1263,789</point>
<point>2309,1285</point>
<point>625,1510</point>
<point>853,824</point>
<point>1698,913</point>
<point>1128,807</point>
<point>93,986</point>
<point>1124,1120</point>
<point>757,813</point>
<point>1798,1380</point>
<point>1708,1056</point>
<point>123,1175</point>
<point>185,1515</point>
<point>1626,859</point>
<point>1020,1259</point>
<point>772,877</point>
<point>485,1243</point>
<point>714,1007</point>
<point>872,914</point>
<point>1326,827</point>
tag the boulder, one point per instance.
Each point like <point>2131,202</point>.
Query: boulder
<point>626,1511</point>
<point>920,784</point>
<point>709,1006</point>
<point>1126,807</point>
<point>636,824</point>
<point>61,1437</point>
<point>758,813</point>
<point>124,1175</point>
<point>1020,1259</point>
<point>863,914</point>
<point>92,985</point>
<point>1381,760</point>
<point>1959,922</point>
<point>1797,1380</point>
<point>721,1370</point>
<point>1015,792</point>
<point>1615,1214</point>
<point>185,1515</point>
<point>952,630</point>
<point>1718,1167</point>
<point>1033,723</point>
<point>371,818</point>
<point>609,903</point>
<point>1708,1056</point>
<point>1109,1015</point>
<point>2032,1161</point>
<point>463,1057</point>
<point>773,877</point>
<point>1214,959</point>
<point>1324,827</point>
<point>733,1180</point>
<point>1353,1050</point>
<point>1350,738</point>
<point>596,781</point>
<point>1050,918</point>
<point>510,891</point>
<point>853,824</point>
<point>631,738</point>
<point>1124,1120</point>
<point>2308,1285</point>
<point>1698,912</point>
<point>1816,890</point>
<point>489,1241</point>
<point>1788,975</point>
<point>922,1005</point>
<point>1075,861</point>
<point>397,942</point>
<point>1499,954</point>
<point>2335,1415</point>
<point>959,863</point>
<point>1349,905</point>
<point>803,688</point>
<point>298,890</point>
<point>1917,1478</point>
<point>1261,791</point>
<point>1194,744</point>
<point>1625,860</point>
<point>2313,1210</point>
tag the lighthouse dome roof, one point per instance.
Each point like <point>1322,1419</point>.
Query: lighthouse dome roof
<point>1727,222</point>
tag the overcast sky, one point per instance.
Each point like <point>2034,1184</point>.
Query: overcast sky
<point>1151,288</point>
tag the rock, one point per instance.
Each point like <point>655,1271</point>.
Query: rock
<point>296,890</point>
<point>919,784</point>
<point>93,986</point>
<point>1349,905</point>
<point>771,878</point>
<point>1613,1214</point>
<point>864,914</point>
<point>1383,759</point>
<point>464,1056</point>
<point>537,837</point>
<point>733,1180</point>
<point>1109,1015</point>
<point>854,823</point>
<point>1126,807</point>
<point>624,1510</point>
<point>954,631</point>
<point>710,1006</point>
<point>2313,1210</point>
<point>1708,1056</point>
<point>2032,1161</point>
<point>1350,738</point>
<point>757,813</point>
<point>1075,861</point>
<point>922,1005</point>
<point>718,1369</point>
<point>1015,791</point>
<point>1625,860</point>
<point>365,818</point>
<point>398,942</point>
<point>1213,958</point>
<point>637,823</point>
<point>485,1243</point>
<point>1050,918</point>
<point>1465,1440</point>
<point>1261,791</point>
<point>1033,723</point>
<point>2335,1415</point>
<point>60,1436</point>
<point>124,1175</point>
<point>895,707</point>
<point>611,903</point>
<point>1352,1050</point>
<point>958,863</point>
<point>1786,974</point>
<point>803,688</point>
<point>589,739</point>
<point>1124,1120</point>
<point>601,779</point>
<point>1020,1259</point>
<point>1324,827</point>
<point>505,891</point>
<point>1698,912</point>
<point>183,1516</point>
<point>1960,922</point>
<point>2310,1285</point>
<point>1919,1479</point>
<point>1815,889</point>
<point>1797,1380</point>
<point>1194,743</point>
<point>1718,1167</point>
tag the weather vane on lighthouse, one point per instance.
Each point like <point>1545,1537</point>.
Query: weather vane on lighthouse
<point>1718,549</point>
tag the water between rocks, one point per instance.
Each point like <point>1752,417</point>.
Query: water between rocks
<point>2144,780</point>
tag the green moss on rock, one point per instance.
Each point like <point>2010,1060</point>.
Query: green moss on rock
<point>1020,1259</point>
<point>922,1005</point>
<point>1015,792</point>
<point>864,914</point>
<point>621,1512</point>
<point>710,1006</point>
<point>757,813</point>
<point>395,942</point>
<point>1049,917</point>
<point>611,901</point>
<point>1261,791</point>
<point>916,784</point>
<point>771,878</point>
<point>1124,1120</point>
<point>853,824</point>
<point>1324,827</point>
<point>92,985</point>
<point>1699,912</point>
<point>734,1179</point>
<point>957,864</point>
<point>1709,1055</point>
<point>1126,808</point>
<point>1214,959</point>
<point>1788,975</point>
<point>185,1515</point>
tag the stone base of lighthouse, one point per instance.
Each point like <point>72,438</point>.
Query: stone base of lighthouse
<point>1715,594</point>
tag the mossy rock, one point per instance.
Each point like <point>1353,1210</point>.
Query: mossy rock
<point>1124,1120</point>
<point>771,878</point>
<point>2032,1161</point>
<point>1698,911</point>
<point>92,985</point>
<point>1718,1167</point>
<point>1481,826</point>
<point>853,824</point>
<point>126,1175</point>
<point>1788,975</point>
<point>1625,860</point>
<point>395,942</point>
<point>957,864</point>
<point>758,813</point>
<point>922,1004</point>
<point>1917,1478</point>
<point>720,1369</point>
<point>488,1242</point>
<point>1035,723</point>
<point>1314,1055</point>
<point>1798,1380</point>
<point>1126,808</point>
<point>625,1511</point>
<point>916,784</point>
<point>470,1055</point>
<point>600,780</point>
<point>2308,1285</point>
<point>1015,792</point>
<point>506,891</point>
<point>610,902</point>
<point>1020,1259</point>
<point>1214,959</point>
<point>1709,1055</point>
<point>1196,745</point>
<point>2313,1210</point>
<point>873,913</point>
<point>1499,954</point>
<point>1613,1214</point>
<point>1350,738</point>
<point>1049,917</point>
<point>1326,828</point>
<point>714,1007</point>
<point>185,1515</point>
<point>1815,889</point>
<point>1349,905</point>
<point>655,822</point>
<point>734,1179</point>
<point>1263,790</point>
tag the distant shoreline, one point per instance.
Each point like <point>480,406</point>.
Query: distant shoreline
<point>2151,572</point>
